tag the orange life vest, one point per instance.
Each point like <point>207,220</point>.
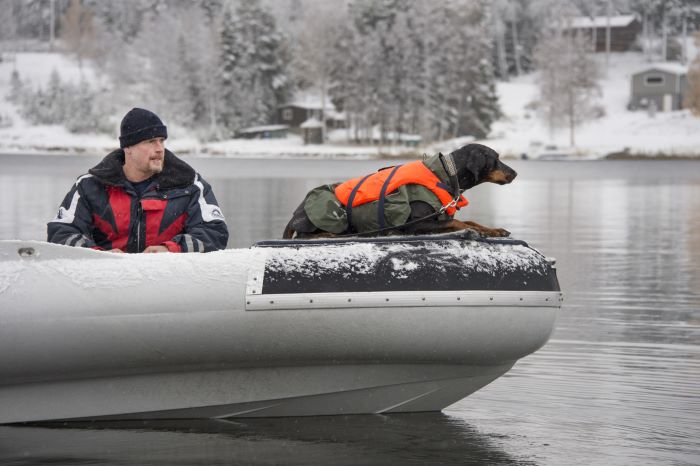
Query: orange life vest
<point>376,186</point>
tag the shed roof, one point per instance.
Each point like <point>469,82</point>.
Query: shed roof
<point>310,101</point>
<point>311,123</point>
<point>259,129</point>
<point>584,22</point>
<point>673,68</point>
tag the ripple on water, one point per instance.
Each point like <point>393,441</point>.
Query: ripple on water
<point>614,395</point>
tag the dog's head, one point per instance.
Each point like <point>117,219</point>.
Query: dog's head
<point>479,164</point>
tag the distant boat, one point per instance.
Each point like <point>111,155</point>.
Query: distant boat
<point>285,328</point>
<point>556,156</point>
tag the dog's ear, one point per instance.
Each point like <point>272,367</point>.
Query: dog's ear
<point>474,162</point>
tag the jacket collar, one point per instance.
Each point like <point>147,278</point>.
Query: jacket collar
<point>176,173</point>
<point>433,163</point>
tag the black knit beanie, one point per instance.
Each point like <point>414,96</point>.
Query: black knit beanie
<point>139,125</point>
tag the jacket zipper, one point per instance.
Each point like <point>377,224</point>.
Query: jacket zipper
<point>139,212</point>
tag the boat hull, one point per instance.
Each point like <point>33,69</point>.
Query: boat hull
<point>94,335</point>
<point>252,392</point>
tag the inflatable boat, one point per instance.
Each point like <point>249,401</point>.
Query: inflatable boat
<point>284,328</point>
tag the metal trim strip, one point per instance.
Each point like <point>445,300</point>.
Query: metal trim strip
<point>271,302</point>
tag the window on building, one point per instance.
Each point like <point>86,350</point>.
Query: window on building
<point>287,114</point>
<point>654,80</point>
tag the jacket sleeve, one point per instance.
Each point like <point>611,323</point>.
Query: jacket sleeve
<point>205,229</point>
<point>72,225</point>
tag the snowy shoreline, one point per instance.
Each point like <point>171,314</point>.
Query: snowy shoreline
<point>259,150</point>
<point>619,134</point>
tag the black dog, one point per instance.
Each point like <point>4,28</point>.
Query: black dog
<point>415,198</point>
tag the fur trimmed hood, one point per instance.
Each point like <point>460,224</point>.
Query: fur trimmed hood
<point>176,173</point>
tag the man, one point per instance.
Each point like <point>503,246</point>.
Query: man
<point>141,198</point>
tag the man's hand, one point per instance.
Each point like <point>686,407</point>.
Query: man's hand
<point>118,251</point>
<point>156,249</point>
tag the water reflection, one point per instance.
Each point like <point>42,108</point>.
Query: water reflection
<point>421,438</point>
<point>606,402</point>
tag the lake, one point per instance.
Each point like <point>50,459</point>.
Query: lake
<point>618,383</point>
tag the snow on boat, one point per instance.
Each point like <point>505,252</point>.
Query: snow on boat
<point>285,328</point>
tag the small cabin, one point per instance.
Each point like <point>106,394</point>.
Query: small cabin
<point>306,106</point>
<point>662,86</point>
<point>624,30</point>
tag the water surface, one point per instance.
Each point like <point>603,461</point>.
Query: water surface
<point>619,383</point>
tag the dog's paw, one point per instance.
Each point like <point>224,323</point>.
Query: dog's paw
<point>499,232</point>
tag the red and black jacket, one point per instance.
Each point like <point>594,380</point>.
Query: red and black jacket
<point>103,211</point>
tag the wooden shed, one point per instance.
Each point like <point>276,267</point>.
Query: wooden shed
<point>312,131</point>
<point>624,30</point>
<point>662,86</point>
<point>306,106</point>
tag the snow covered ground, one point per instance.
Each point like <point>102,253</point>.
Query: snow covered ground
<point>520,131</point>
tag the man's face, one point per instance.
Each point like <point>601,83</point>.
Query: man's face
<point>146,157</point>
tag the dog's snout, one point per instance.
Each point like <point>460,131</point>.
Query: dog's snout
<point>503,174</point>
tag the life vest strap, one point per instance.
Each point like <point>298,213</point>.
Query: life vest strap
<point>348,207</point>
<point>447,188</point>
<point>382,197</point>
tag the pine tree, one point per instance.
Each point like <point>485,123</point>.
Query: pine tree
<point>193,110</point>
<point>312,45</point>
<point>479,100</point>
<point>253,66</point>
<point>375,67</point>
<point>55,95</point>
<point>77,107</point>
<point>231,89</point>
<point>692,97</point>
<point>123,19</point>
<point>29,18</point>
<point>347,83</point>
<point>17,89</point>
<point>169,66</point>
<point>463,97</point>
<point>397,71</point>
<point>499,16</point>
<point>8,31</point>
<point>85,112</point>
<point>212,9</point>
<point>407,73</point>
